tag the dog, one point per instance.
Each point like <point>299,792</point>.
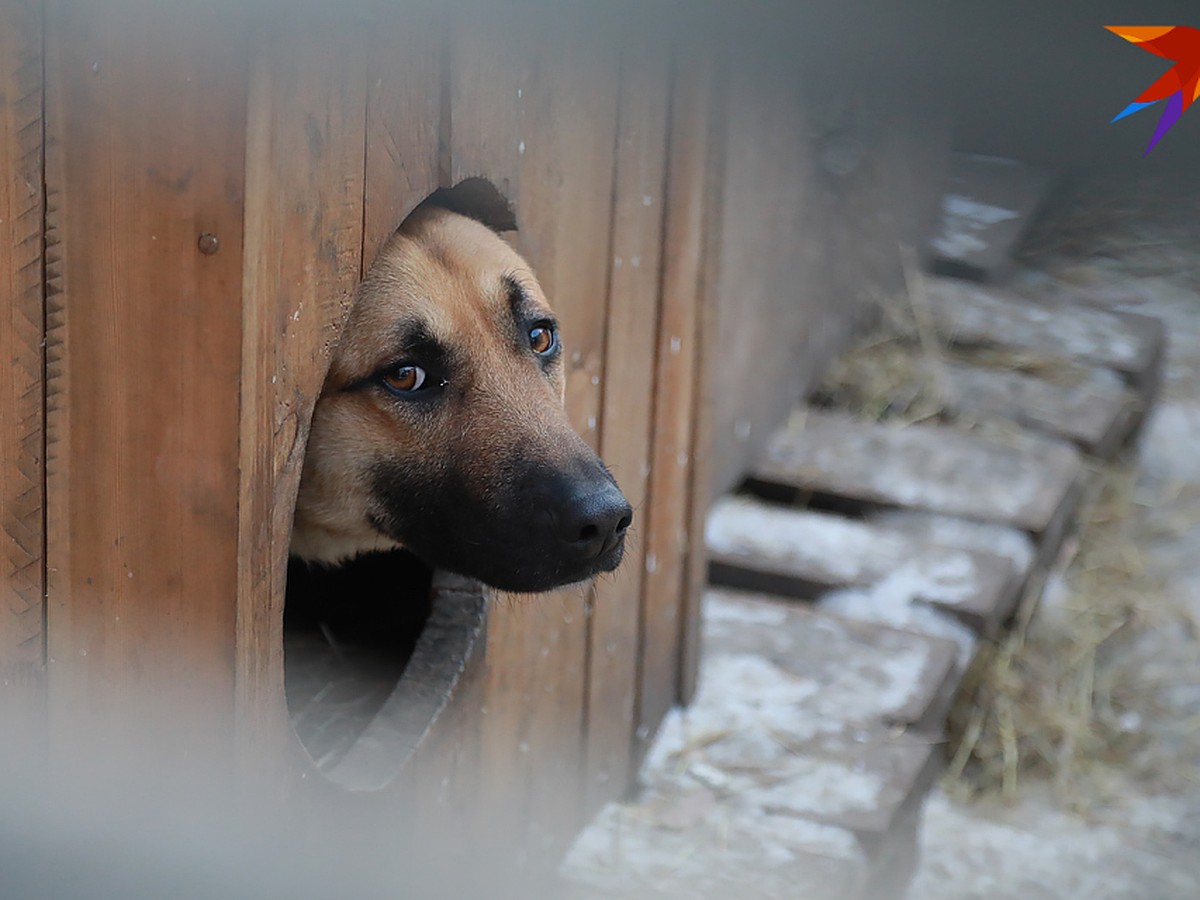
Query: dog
<point>441,430</point>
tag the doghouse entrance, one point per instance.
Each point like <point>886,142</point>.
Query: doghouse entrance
<point>349,633</point>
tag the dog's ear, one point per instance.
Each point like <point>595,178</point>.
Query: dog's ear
<point>478,199</point>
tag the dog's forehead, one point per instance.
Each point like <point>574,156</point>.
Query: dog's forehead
<point>441,271</point>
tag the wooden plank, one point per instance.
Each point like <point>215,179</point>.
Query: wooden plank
<point>796,738</point>
<point>975,315</point>
<point>870,675</point>
<point>1024,481</point>
<point>704,463</point>
<point>776,549</point>
<point>989,204</point>
<point>22,314</point>
<point>490,74</point>
<point>667,514</point>
<point>144,361</point>
<point>304,223</point>
<point>1097,414</point>
<point>628,399</point>
<point>406,54</point>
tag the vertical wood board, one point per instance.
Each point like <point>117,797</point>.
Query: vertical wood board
<point>22,328</point>
<point>678,358</point>
<point>144,350</point>
<point>406,55</point>
<point>628,400</point>
<point>305,161</point>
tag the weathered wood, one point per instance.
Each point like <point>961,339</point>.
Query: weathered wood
<point>626,422</point>
<point>793,747</point>
<point>989,204</point>
<point>974,315</point>
<point>405,111</point>
<point>144,351</point>
<point>708,349</point>
<point>786,739</point>
<point>820,189</point>
<point>490,73</point>
<point>759,546</point>
<point>667,518</point>
<point>1097,414</point>
<point>868,675</point>
<point>677,837</point>
<point>304,164</point>
<point>22,330</point>
<point>1024,481</point>
<point>773,281</point>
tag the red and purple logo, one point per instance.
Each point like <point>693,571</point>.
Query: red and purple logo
<point>1180,85</point>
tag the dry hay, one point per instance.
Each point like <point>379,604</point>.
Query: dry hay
<point>1050,701</point>
<point>1060,699</point>
<point>1149,226</point>
<point>1063,698</point>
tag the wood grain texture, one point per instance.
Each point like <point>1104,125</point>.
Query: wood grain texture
<point>406,55</point>
<point>22,326</point>
<point>626,424</point>
<point>489,74</point>
<point>775,277</point>
<point>709,352</point>
<point>305,162</point>
<point>683,267</point>
<point>144,359</point>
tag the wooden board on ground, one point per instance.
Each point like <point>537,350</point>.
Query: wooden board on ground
<point>968,314</point>
<point>1024,481</point>
<point>857,757</point>
<point>654,842</point>
<point>868,675</point>
<point>1098,414</point>
<point>761,546</point>
<point>793,737</point>
<point>988,205</point>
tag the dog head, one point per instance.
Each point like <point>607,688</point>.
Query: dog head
<point>441,428</point>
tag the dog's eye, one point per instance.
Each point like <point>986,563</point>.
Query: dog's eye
<point>543,338</point>
<point>404,379</point>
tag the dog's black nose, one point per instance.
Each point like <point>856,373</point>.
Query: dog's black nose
<point>592,519</point>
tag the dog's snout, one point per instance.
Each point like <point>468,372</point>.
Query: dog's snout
<point>593,518</point>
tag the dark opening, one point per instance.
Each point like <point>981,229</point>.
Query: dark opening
<point>476,198</point>
<point>348,634</point>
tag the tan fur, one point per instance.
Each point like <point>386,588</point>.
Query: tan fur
<point>447,272</point>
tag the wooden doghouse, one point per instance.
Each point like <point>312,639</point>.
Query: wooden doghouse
<point>191,193</point>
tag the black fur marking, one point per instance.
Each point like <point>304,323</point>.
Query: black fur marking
<point>508,535</point>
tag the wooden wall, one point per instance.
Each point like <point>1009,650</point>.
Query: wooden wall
<point>829,175</point>
<point>22,315</point>
<point>215,182</point>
